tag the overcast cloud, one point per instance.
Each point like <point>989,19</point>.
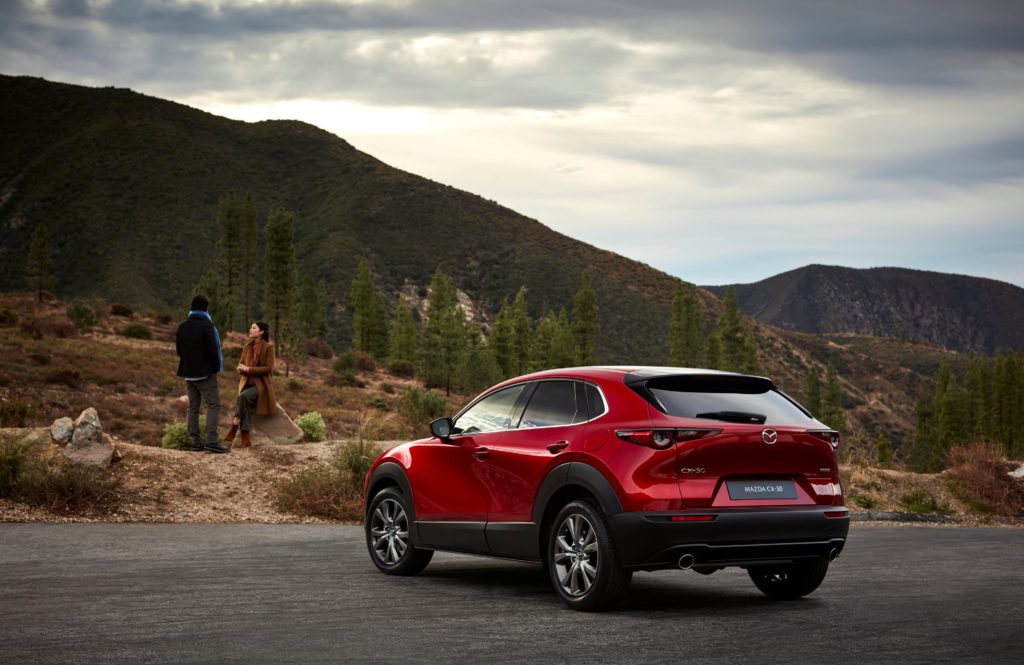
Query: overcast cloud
<point>719,140</point>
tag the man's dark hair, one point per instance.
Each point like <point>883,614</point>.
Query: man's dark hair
<point>201,303</point>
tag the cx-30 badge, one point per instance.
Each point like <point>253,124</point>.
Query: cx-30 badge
<point>769,436</point>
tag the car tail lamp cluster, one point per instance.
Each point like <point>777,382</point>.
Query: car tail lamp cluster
<point>663,438</point>
<point>829,436</point>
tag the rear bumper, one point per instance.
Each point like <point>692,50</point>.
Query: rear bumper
<point>732,538</point>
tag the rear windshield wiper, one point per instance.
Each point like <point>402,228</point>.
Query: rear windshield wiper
<point>735,416</point>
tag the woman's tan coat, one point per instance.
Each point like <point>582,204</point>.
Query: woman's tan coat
<point>259,356</point>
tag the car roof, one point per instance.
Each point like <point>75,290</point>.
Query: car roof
<point>615,372</point>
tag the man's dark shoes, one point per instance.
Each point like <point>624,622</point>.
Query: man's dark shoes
<point>217,448</point>
<point>199,449</point>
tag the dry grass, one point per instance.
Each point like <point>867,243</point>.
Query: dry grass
<point>979,477</point>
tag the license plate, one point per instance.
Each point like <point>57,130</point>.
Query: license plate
<point>740,490</point>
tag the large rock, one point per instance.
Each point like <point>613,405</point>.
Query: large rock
<point>89,444</point>
<point>275,428</point>
<point>1018,472</point>
<point>61,430</point>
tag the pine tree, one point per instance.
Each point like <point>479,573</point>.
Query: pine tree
<point>686,338</point>
<point>714,357</point>
<point>552,342</point>
<point>812,391</point>
<point>361,297</point>
<point>501,340</point>
<point>925,455</point>
<point>444,334</point>
<point>477,369</point>
<point>883,450</point>
<point>312,310</point>
<point>584,321</point>
<point>250,256</point>
<point>279,272</point>
<point>734,347</point>
<point>229,253</point>
<point>832,413</point>
<point>403,335</point>
<point>562,352</point>
<point>40,262</point>
<point>522,333</point>
<point>378,317</point>
<point>211,286</point>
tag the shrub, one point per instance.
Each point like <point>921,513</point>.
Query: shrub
<point>322,491</point>
<point>865,502</point>
<point>920,501</point>
<point>345,362</point>
<point>8,317</point>
<point>318,348</point>
<point>71,378</point>
<point>136,331</point>
<point>365,362</point>
<point>14,412</point>
<point>356,457</point>
<point>121,310</point>
<point>346,380</point>
<point>979,478</point>
<point>81,315</point>
<point>40,328</point>
<point>55,483</point>
<point>176,435</point>
<point>418,407</point>
<point>402,368</point>
<point>164,319</point>
<point>387,388</point>
<point>293,384</point>
<point>312,425</point>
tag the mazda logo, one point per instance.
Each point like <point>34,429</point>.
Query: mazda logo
<point>769,436</point>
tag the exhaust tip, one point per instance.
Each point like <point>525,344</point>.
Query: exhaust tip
<point>686,561</point>
<point>833,555</point>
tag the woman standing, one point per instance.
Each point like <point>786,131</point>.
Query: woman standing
<point>256,386</point>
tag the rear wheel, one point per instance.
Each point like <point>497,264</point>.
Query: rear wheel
<point>387,535</point>
<point>581,559</point>
<point>790,581</point>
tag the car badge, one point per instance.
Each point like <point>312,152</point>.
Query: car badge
<point>769,436</point>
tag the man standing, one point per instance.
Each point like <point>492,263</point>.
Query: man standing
<point>199,361</point>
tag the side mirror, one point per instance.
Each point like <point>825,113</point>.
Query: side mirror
<point>442,428</point>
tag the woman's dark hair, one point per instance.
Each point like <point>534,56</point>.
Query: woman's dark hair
<point>265,329</point>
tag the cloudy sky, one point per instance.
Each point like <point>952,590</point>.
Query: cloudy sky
<point>718,140</point>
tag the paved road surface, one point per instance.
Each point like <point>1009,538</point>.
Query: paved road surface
<point>308,593</point>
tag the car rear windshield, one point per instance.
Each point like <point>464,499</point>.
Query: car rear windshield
<point>726,399</point>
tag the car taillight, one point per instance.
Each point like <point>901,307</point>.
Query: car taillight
<point>829,436</point>
<point>663,438</point>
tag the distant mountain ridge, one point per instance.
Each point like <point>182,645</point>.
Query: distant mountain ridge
<point>962,313</point>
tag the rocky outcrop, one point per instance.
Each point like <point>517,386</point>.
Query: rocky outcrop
<point>276,428</point>
<point>84,441</point>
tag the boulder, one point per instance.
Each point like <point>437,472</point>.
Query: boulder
<point>61,430</point>
<point>1018,472</point>
<point>275,428</point>
<point>89,444</point>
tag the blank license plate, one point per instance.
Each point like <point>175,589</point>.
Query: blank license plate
<point>740,490</point>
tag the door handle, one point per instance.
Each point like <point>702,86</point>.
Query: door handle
<point>481,453</point>
<point>558,447</point>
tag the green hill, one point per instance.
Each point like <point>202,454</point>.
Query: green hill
<point>128,186</point>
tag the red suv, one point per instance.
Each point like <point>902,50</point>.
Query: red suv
<point>600,471</point>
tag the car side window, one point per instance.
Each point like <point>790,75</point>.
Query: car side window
<point>595,404</point>
<point>491,414</point>
<point>553,403</point>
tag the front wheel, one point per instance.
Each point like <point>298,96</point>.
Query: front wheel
<point>387,535</point>
<point>790,581</point>
<point>581,559</point>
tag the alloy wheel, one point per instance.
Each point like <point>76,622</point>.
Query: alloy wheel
<point>576,555</point>
<point>389,530</point>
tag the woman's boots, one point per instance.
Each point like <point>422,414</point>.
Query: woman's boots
<point>246,440</point>
<point>231,434</point>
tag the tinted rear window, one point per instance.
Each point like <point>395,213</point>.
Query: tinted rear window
<point>725,399</point>
<point>553,403</point>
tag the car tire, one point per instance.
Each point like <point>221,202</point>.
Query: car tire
<point>790,581</point>
<point>387,535</point>
<point>581,559</point>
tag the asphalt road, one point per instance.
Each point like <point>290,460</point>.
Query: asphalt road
<point>139,593</point>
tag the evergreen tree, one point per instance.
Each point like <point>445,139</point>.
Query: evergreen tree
<point>552,342</point>
<point>477,369</point>
<point>403,335</point>
<point>312,311</point>
<point>279,272</point>
<point>40,262</point>
<point>444,334</point>
<point>501,340</point>
<point>229,253</point>
<point>562,352</point>
<point>812,391</point>
<point>211,286</point>
<point>522,333</point>
<point>926,455</point>
<point>832,413</point>
<point>714,357</point>
<point>250,256</point>
<point>737,347</point>
<point>378,317</point>
<point>686,338</point>
<point>584,321</point>
<point>883,450</point>
<point>361,297</point>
